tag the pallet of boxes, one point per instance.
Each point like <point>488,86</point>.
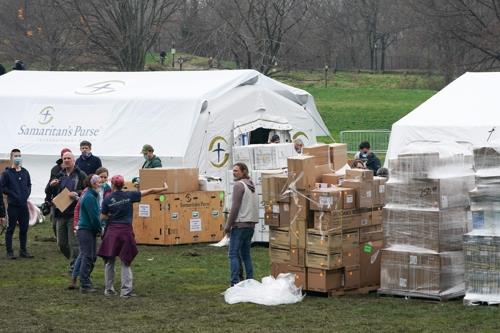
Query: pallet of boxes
<point>426,215</point>
<point>183,215</point>
<point>325,229</point>
<point>482,244</point>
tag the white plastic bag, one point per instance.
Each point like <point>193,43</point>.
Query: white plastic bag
<point>36,215</point>
<point>271,291</point>
<point>223,242</point>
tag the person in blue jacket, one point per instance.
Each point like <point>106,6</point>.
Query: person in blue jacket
<point>89,226</point>
<point>87,162</point>
<point>16,184</point>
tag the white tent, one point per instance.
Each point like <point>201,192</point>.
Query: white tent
<point>466,111</point>
<point>188,117</point>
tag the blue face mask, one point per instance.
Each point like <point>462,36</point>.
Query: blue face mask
<point>18,161</point>
<point>86,154</point>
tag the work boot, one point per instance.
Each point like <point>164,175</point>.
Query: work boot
<point>10,255</point>
<point>88,290</point>
<point>25,254</point>
<point>72,284</point>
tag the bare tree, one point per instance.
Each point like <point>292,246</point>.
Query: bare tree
<point>122,31</point>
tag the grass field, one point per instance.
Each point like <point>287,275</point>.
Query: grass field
<point>180,290</point>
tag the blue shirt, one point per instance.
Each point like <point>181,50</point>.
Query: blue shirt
<point>118,206</point>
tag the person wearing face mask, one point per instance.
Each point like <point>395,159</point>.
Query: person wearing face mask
<point>151,160</point>
<point>71,178</point>
<point>16,184</point>
<point>87,162</point>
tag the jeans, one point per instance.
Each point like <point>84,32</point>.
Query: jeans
<point>76,266</point>
<point>126,277</point>
<point>66,239</point>
<point>87,240</point>
<point>240,241</point>
<point>17,214</point>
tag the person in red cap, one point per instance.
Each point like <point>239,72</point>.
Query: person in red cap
<point>118,239</point>
<point>54,174</point>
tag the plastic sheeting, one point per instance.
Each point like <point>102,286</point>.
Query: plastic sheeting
<point>272,291</point>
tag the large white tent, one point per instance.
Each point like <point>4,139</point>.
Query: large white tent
<point>466,111</point>
<point>188,117</point>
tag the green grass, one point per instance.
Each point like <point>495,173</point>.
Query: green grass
<point>182,293</point>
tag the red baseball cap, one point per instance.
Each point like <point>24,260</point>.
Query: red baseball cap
<point>65,150</point>
<point>117,180</point>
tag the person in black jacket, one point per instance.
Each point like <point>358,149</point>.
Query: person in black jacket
<point>54,174</point>
<point>70,177</point>
<point>2,212</point>
<point>16,183</point>
<point>87,162</point>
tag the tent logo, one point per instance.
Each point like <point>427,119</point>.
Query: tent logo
<point>100,88</point>
<point>298,134</point>
<point>46,115</point>
<point>216,146</point>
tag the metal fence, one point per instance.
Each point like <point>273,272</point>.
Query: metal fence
<point>379,140</point>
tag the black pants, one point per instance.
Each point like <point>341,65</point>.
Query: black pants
<point>17,214</point>
<point>87,240</point>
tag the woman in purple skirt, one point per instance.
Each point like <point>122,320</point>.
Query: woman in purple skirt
<point>118,240</point>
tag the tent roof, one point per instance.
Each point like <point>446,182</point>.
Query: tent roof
<point>471,100</point>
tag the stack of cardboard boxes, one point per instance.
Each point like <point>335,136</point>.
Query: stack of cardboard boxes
<point>183,215</point>
<point>325,229</point>
<point>424,220</point>
<point>482,244</point>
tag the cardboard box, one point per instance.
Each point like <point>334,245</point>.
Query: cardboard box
<point>299,272</point>
<point>433,229</point>
<point>369,263</point>
<point>350,256</point>
<point>297,257</point>
<point>334,198</point>
<point>351,278</point>
<point>320,152</point>
<point>272,220</point>
<point>330,178</point>
<point>298,233</point>
<point>365,219</point>
<point>363,190</point>
<point>179,180</point>
<point>371,233</point>
<point>338,155</point>
<point>336,221</point>
<point>149,221</point>
<point>377,216</point>
<point>323,243</point>
<point>428,273</point>
<point>302,172</point>
<point>379,190</point>
<point>359,174</point>
<point>299,207</point>
<point>279,237</point>
<point>324,261</point>
<point>272,156</point>
<point>431,193</point>
<point>243,154</point>
<point>323,280</point>
<point>284,214</point>
<point>273,188</point>
<point>279,254</point>
<point>350,239</point>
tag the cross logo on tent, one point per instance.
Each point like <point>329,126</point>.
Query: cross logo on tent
<point>216,146</point>
<point>46,114</point>
<point>100,88</point>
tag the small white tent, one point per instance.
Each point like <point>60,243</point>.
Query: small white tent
<point>188,117</point>
<point>466,111</point>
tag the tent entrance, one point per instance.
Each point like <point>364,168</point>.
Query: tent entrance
<point>260,130</point>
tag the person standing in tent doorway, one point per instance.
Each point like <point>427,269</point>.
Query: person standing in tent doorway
<point>243,217</point>
<point>275,139</point>
<point>151,160</point>
<point>118,239</point>
<point>298,145</point>
<point>16,183</point>
<point>87,162</point>
<point>70,178</point>
<point>364,154</point>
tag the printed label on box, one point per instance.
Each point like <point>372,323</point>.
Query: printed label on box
<point>381,189</point>
<point>194,225</point>
<point>144,210</point>
<point>276,209</point>
<point>368,194</point>
<point>478,220</point>
<point>402,282</point>
<point>444,201</point>
<point>325,201</point>
<point>349,199</point>
<point>368,248</point>
<point>365,222</point>
<point>483,253</point>
<point>413,260</point>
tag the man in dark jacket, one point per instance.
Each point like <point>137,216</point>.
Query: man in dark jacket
<point>71,178</point>
<point>54,174</point>
<point>87,162</point>
<point>16,183</point>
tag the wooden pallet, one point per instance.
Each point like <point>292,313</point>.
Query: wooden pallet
<point>417,295</point>
<point>359,291</point>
